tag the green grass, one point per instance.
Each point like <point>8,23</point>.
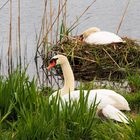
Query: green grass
<point>27,114</point>
<point>134,82</point>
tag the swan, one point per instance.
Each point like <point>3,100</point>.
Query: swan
<point>110,102</point>
<point>94,35</point>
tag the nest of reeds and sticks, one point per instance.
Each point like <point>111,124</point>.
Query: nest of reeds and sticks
<point>103,62</point>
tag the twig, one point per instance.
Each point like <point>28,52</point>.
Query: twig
<point>81,15</point>
<point>4,4</point>
<point>123,17</point>
<point>112,58</point>
<point>83,58</point>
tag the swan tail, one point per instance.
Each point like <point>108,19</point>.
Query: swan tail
<point>113,113</point>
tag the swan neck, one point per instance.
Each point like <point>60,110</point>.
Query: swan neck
<point>68,78</point>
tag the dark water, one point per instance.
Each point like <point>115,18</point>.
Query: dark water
<point>105,14</point>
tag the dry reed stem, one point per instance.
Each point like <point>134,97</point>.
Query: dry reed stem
<point>10,41</point>
<point>75,22</point>
<point>48,30</point>
<point>82,58</point>
<point>125,10</point>
<point>65,16</point>
<point>41,30</point>
<point>112,58</point>
<point>51,17</point>
<point>19,37</point>
<point>57,23</point>
<point>51,78</point>
<point>38,40</point>
<point>4,4</point>
<point>52,24</point>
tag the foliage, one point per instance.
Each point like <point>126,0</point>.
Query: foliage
<point>134,101</point>
<point>26,113</point>
<point>16,91</point>
<point>134,82</point>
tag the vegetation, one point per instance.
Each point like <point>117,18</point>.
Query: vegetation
<point>25,110</point>
<point>26,113</point>
<point>105,62</point>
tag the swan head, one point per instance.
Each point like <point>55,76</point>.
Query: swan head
<point>89,31</point>
<point>57,60</point>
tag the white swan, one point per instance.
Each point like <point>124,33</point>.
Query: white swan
<point>110,102</point>
<point>94,35</point>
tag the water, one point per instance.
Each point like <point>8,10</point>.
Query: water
<point>107,16</point>
<point>103,14</point>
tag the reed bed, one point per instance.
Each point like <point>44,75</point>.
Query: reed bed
<point>54,24</point>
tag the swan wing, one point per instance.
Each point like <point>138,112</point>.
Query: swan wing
<point>96,96</point>
<point>106,96</point>
<point>103,97</point>
<point>74,95</point>
<point>113,113</point>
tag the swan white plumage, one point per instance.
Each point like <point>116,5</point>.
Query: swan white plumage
<point>110,102</point>
<point>95,36</point>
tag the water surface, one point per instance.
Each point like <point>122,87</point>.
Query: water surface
<point>103,14</point>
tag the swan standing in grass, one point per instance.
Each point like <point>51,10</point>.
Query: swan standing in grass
<point>94,35</point>
<point>110,102</point>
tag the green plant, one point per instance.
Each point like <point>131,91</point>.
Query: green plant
<point>35,117</point>
<point>134,82</point>
<point>134,101</point>
<point>15,90</point>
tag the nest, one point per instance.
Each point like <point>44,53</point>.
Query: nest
<point>103,62</point>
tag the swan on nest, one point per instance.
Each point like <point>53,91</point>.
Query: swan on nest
<point>96,36</point>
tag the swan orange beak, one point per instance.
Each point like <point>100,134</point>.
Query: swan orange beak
<point>52,64</point>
